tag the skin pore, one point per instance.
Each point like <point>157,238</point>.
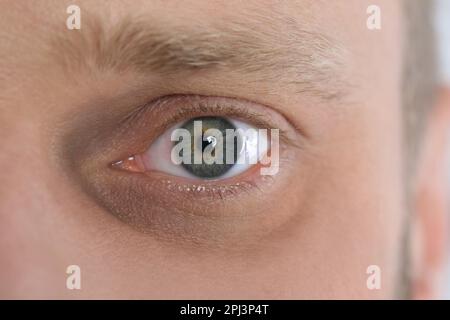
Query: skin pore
<point>74,101</point>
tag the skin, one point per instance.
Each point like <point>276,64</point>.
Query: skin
<point>337,206</point>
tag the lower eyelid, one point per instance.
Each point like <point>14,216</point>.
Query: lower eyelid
<point>210,191</point>
<point>188,212</point>
<point>214,189</point>
<point>175,210</point>
<point>250,183</point>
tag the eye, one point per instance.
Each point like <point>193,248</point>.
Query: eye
<point>204,148</point>
<point>128,167</point>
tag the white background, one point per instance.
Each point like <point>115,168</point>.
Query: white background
<point>443,29</point>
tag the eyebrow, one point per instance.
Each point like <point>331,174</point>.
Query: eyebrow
<point>270,48</point>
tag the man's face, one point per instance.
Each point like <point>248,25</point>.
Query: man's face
<point>74,101</point>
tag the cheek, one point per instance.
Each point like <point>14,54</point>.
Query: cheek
<point>28,210</point>
<point>355,195</point>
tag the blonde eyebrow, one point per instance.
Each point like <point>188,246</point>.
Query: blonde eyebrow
<point>271,48</point>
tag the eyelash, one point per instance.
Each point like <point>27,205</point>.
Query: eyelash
<point>199,108</point>
<point>215,192</point>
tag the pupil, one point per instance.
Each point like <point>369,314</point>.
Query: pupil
<point>214,170</point>
<point>205,144</point>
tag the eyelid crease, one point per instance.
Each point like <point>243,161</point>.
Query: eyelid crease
<point>199,105</point>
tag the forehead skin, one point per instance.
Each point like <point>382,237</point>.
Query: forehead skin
<point>344,198</point>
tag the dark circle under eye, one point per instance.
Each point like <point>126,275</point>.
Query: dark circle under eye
<point>205,170</point>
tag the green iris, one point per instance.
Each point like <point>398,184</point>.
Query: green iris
<point>213,170</point>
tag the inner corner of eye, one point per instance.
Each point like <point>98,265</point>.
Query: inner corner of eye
<point>130,163</point>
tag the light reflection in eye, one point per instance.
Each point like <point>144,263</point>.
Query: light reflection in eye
<point>233,148</point>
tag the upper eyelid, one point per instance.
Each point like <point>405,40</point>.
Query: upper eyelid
<point>159,103</point>
<point>201,105</point>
